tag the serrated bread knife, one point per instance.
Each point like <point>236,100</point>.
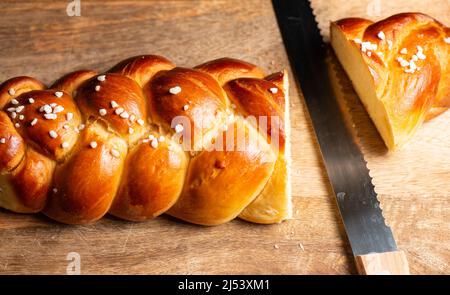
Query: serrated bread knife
<point>371,240</point>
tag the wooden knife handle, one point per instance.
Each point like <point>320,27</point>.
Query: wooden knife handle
<point>388,263</point>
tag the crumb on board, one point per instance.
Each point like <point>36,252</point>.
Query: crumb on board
<point>301,246</point>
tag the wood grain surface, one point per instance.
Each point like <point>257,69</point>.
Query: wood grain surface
<point>37,38</point>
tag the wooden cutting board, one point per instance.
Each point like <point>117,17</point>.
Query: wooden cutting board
<point>38,39</point>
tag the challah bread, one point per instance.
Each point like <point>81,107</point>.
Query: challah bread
<point>400,69</point>
<point>148,138</point>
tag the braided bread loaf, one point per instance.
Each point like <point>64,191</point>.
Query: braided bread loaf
<point>399,67</point>
<point>147,138</point>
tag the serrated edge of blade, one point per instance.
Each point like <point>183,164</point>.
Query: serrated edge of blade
<point>351,123</point>
<point>349,115</point>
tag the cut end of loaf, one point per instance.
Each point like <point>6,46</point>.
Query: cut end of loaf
<point>398,69</point>
<point>353,62</point>
<point>287,151</point>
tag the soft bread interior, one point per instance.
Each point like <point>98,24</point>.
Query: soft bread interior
<point>356,68</point>
<point>287,149</point>
<point>274,204</point>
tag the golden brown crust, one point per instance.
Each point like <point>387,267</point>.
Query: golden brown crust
<point>441,103</point>
<point>273,204</point>
<point>39,129</point>
<point>412,92</point>
<point>277,78</point>
<point>227,69</point>
<point>152,181</point>
<point>205,100</point>
<point>120,149</point>
<point>32,179</point>
<point>95,96</point>
<point>353,27</point>
<point>70,82</point>
<point>84,187</point>
<point>142,68</point>
<point>12,146</point>
<point>261,99</point>
<point>211,195</point>
<point>16,86</point>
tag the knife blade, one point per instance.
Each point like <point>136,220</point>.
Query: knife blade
<point>345,165</point>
